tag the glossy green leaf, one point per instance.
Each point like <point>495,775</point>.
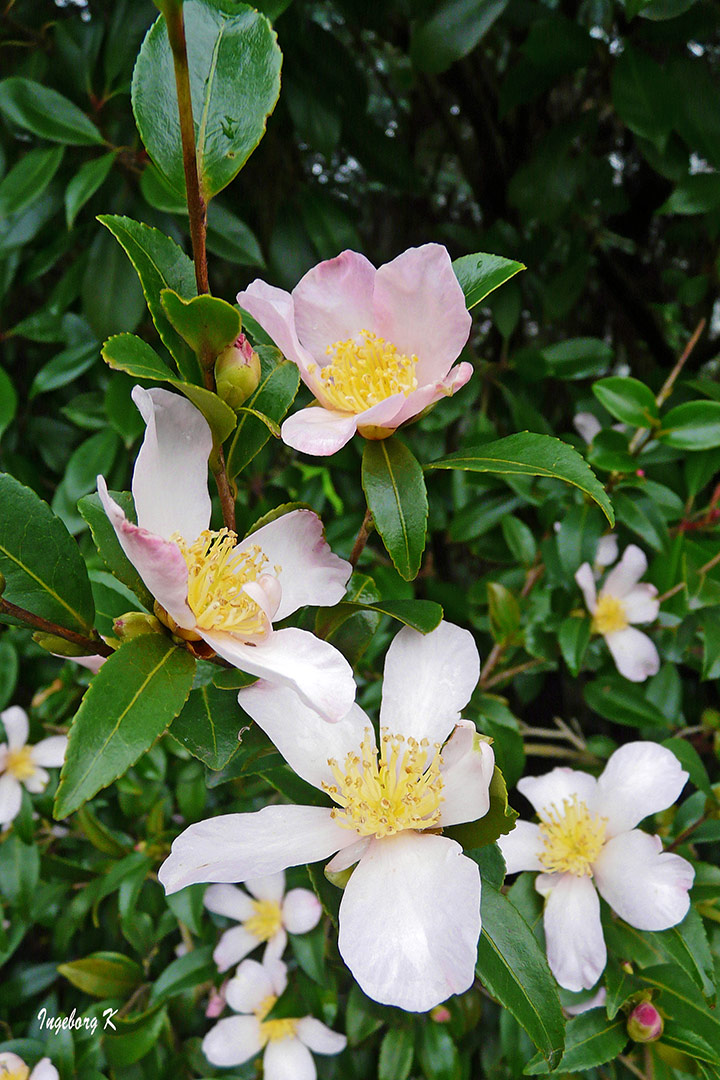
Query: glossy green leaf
<point>627,399</point>
<point>8,401</point>
<point>590,1040</point>
<point>27,180</point>
<point>574,638</point>
<point>134,1037</point>
<point>64,368</point>
<point>504,612</point>
<point>577,358</point>
<point>623,702</point>
<point>528,454</point>
<point>219,415</point>
<point>186,972</point>
<point>86,181</point>
<point>206,323</point>
<point>104,974</point>
<point>394,487</point>
<point>698,193</point>
<point>680,999</point>
<point>687,944</point>
<point>208,725</point>
<point>438,1054</point>
<point>453,30</point>
<point>234,64</point>
<point>692,426</point>
<point>279,381</point>
<point>481,274</point>
<point>397,1051</point>
<point>46,113</point>
<point>422,615</point>
<point>128,705</point>
<point>108,545</point>
<point>642,95</point>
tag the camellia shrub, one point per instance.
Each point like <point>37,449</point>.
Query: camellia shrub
<point>359,519</point>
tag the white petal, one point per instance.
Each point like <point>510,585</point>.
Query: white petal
<point>233,1041</point>
<point>586,581</point>
<point>309,572</point>
<point>639,779</point>
<point>37,782</point>
<point>250,987</point>
<point>319,1038</point>
<point>428,679</point>
<point>10,799</point>
<point>410,920</point>
<point>10,1061</point>
<point>288,1059</point>
<point>467,769</point>
<point>229,901</point>
<point>522,847</point>
<point>645,885</point>
<point>275,947</point>
<point>50,752</point>
<point>313,668</point>
<point>92,663</point>
<point>16,726</point>
<point>304,739</point>
<point>634,654</point>
<point>301,911</point>
<point>559,785</point>
<point>641,604</point>
<point>575,945</point>
<point>318,431</point>
<point>333,302</point>
<point>45,1070</point>
<point>587,425</point>
<point>626,574</point>
<point>593,1002</point>
<point>233,946</point>
<point>348,856</point>
<point>270,887</point>
<point>607,550</point>
<point>235,847</point>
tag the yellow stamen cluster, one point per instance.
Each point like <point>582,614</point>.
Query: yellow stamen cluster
<point>364,371</point>
<point>382,797</point>
<point>573,838</point>
<point>216,575</point>
<point>609,616</point>
<point>266,920</point>
<point>272,1030</point>
<point>22,1072</point>
<point>19,763</point>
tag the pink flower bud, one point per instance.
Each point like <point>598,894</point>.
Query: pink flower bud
<point>645,1024</point>
<point>237,372</point>
<point>216,1002</point>
<point>440,1014</point>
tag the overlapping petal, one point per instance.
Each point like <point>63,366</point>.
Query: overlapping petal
<point>288,1059</point>
<point>556,787</point>
<point>635,655</point>
<point>467,770</point>
<point>640,778</point>
<point>521,848</point>
<point>636,859</point>
<point>623,577</point>
<point>233,1040</point>
<point>333,302</point>
<point>575,944</point>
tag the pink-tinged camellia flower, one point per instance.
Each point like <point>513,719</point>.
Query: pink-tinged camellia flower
<point>287,1042</point>
<point>214,587</point>
<point>375,347</point>
<point>13,1067</point>
<point>265,916</point>
<point>410,912</point>
<point>23,765</point>
<point>587,841</point>
<point>623,600</point>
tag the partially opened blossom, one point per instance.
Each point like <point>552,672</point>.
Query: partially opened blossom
<point>587,843</point>
<point>623,600</point>
<point>215,587</point>
<point>265,916</point>
<point>13,1067</point>
<point>24,765</point>
<point>286,1042</point>
<point>375,347</point>
<point>410,912</point>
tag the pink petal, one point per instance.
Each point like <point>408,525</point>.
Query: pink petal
<point>554,788</point>
<point>233,1041</point>
<point>467,770</point>
<point>91,663</point>
<point>319,1038</point>
<point>420,308</point>
<point>575,944</point>
<point>644,885</point>
<point>522,847</point>
<point>634,654</point>
<point>586,581</point>
<point>16,726</point>
<point>626,574</point>
<point>641,604</point>
<point>288,1059</point>
<point>426,396</point>
<point>334,302</point>
<point>301,911</point>
<point>274,309</point>
<point>318,431</point>
<point>50,752</point>
<point>639,779</point>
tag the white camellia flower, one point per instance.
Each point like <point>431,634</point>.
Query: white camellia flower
<point>21,764</point>
<point>287,1042</point>
<point>214,587</point>
<point>410,912</point>
<point>587,840</point>
<point>13,1067</point>
<point>623,600</point>
<point>265,916</point>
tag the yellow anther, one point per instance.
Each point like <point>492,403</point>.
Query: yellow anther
<point>609,616</point>
<point>573,838</point>
<point>364,371</point>
<point>21,1072</point>
<point>270,1030</point>
<point>19,763</point>
<point>266,920</point>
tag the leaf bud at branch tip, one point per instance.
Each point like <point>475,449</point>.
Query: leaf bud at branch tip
<point>135,623</point>
<point>57,645</point>
<point>645,1024</point>
<point>237,372</point>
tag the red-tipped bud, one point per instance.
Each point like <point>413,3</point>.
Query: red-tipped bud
<point>440,1014</point>
<point>237,372</point>
<point>645,1024</point>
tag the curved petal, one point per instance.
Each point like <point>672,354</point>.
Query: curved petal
<point>270,887</point>
<point>607,550</point>
<point>288,1059</point>
<point>467,768</point>
<point>635,655</point>
<point>428,679</point>
<point>250,987</point>
<point>159,562</point>
<point>318,1037</point>
<point>318,431</point>
<point>410,920</point>
<point>639,779</point>
<point>420,307</point>
<point>170,479</point>
<point>45,1070</point>
<point>92,663</point>
<point>334,302</point>
<point>274,309</point>
<point>10,1062</point>
<point>556,787</point>
<point>594,1002</point>
<point>521,848</point>
<point>348,856</point>
<point>575,944</point>
<point>233,946</point>
<point>50,752</point>
<point>304,739</point>
<point>623,577</point>
<point>37,782</point>
<point>229,901</point>
<point>309,571</point>
<point>275,947</point>
<point>10,799</point>
<point>235,847</point>
<point>646,886</point>
<point>301,911</point>
<point>313,668</point>
<point>586,581</point>
<point>641,604</point>
<point>15,722</point>
<point>233,1041</point>
<point>425,396</point>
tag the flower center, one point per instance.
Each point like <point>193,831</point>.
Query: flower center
<point>266,921</point>
<point>19,763</point>
<point>216,575</point>
<point>272,1030</point>
<point>22,1072</point>
<point>364,371</point>
<point>382,797</point>
<point>573,838</point>
<point>609,616</point>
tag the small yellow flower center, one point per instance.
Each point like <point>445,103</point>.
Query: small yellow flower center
<point>266,920</point>
<point>19,763</point>
<point>573,838</point>
<point>382,797</point>
<point>272,1030</point>
<point>609,616</point>
<point>216,575</point>
<point>21,1072</point>
<point>364,371</point>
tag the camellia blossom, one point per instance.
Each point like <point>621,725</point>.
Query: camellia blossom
<point>23,765</point>
<point>265,916</point>
<point>623,600</point>
<point>215,587</point>
<point>13,1067</point>
<point>375,347</point>
<point>287,1042</point>
<point>587,841</point>
<point>410,911</point>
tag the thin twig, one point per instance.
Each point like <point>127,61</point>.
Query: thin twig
<point>682,585</point>
<point>361,538</point>
<point>643,436</point>
<point>688,832</point>
<point>94,646</point>
<point>566,752</point>
<point>510,673</point>
<point>632,1067</point>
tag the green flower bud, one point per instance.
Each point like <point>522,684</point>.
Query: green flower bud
<point>58,645</point>
<point>135,623</point>
<point>645,1024</point>
<point>237,372</point>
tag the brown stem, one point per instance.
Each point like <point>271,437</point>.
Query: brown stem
<point>509,673</point>
<point>688,832</point>
<point>643,436</point>
<point>361,538</point>
<point>227,499</point>
<point>93,645</point>
<point>681,584</point>
<point>490,665</point>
